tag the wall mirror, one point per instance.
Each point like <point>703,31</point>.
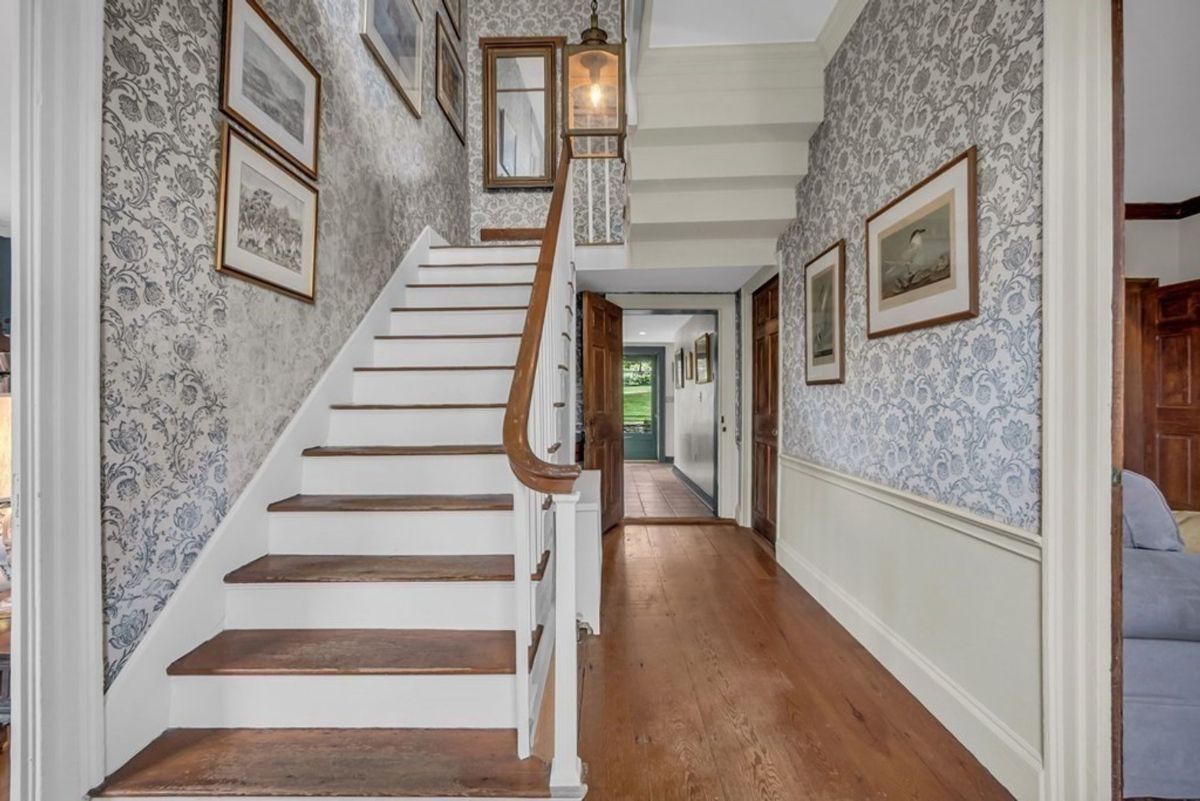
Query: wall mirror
<point>519,112</point>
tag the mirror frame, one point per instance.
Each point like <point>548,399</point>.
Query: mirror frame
<point>546,48</point>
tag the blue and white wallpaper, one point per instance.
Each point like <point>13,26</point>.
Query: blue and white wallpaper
<point>201,371</point>
<point>949,413</point>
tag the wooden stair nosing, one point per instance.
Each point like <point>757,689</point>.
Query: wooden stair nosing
<point>400,309</point>
<point>414,406</point>
<point>482,264</point>
<point>533,646</point>
<point>403,450</point>
<point>471,286</point>
<point>447,336</point>
<point>438,369</point>
<point>352,569</point>
<point>540,572</point>
<point>393,503</point>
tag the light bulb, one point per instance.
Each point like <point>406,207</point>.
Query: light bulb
<point>597,95</point>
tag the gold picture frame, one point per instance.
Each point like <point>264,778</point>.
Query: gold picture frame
<point>450,77</point>
<point>703,350</point>
<point>825,316</point>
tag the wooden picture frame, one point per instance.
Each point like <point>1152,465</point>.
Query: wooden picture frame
<point>268,87</point>
<point>825,316</point>
<point>703,350</point>
<point>495,124</point>
<point>454,13</point>
<point>267,231</point>
<point>390,46</point>
<point>450,82</point>
<point>922,252</point>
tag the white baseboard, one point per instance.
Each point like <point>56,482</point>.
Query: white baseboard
<point>137,705</point>
<point>1010,757</point>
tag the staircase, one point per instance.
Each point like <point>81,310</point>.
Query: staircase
<point>396,640</point>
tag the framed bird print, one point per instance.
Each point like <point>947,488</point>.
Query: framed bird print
<point>825,316</point>
<point>922,253</point>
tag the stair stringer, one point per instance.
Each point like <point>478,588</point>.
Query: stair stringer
<point>138,704</point>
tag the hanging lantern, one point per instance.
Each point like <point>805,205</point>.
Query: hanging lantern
<point>594,94</point>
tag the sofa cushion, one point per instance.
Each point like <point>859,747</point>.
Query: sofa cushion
<point>1148,522</point>
<point>1161,595</point>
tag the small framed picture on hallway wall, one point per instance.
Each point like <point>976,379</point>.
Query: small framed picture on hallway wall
<point>825,316</point>
<point>704,358</point>
<point>922,253</point>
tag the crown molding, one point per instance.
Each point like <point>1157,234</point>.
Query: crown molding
<point>845,13</point>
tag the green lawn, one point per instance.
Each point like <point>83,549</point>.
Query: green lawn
<point>637,404</point>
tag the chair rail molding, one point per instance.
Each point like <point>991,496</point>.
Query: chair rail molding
<point>1077,296</point>
<point>58,634</point>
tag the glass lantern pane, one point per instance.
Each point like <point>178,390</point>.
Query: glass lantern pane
<point>594,99</point>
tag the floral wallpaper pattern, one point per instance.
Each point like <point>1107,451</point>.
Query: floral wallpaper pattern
<point>527,208</point>
<point>201,371</point>
<point>950,413</point>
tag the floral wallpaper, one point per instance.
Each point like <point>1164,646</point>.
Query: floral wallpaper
<point>527,208</point>
<point>201,371</point>
<point>950,413</point>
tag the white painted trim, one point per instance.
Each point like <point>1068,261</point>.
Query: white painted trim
<point>1010,538</point>
<point>58,633</point>
<point>138,703</point>
<point>837,26</point>
<point>723,304</point>
<point>745,511</point>
<point>1077,280</point>
<point>1015,762</point>
<point>6,228</point>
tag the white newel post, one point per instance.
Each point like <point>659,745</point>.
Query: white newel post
<point>566,771</point>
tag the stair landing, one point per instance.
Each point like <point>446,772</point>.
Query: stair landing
<point>380,763</point>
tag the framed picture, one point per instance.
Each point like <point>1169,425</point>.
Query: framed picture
<point>825,316</point>
<point>269,87</point>
<point>690,370</point>
<point>454,12</point>
<point>921,253</point>
<point>395,34</point>
<point>704,358</point>
<point>266,221</point>
<point>679,368</point>
<point>451,82</point>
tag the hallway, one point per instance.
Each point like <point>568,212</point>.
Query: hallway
<point>718,678</point>
<point>653,490</point>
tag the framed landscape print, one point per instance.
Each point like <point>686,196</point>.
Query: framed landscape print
<point>451,82</point>
<point>679,368</point>
<point>704,358</point>
<point>825,316</point>
<point>454,12</point>
<point>921,253</point>
<point>395,34</point>
<point>269,87</point>
<point>267,220</point>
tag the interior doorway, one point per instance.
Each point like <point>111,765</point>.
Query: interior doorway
<point>764,426</point>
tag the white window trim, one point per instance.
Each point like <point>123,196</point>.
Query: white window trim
<point>58,657</point>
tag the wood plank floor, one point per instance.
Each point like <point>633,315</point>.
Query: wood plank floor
<point>718,678</point>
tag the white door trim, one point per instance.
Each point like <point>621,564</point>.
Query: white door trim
<point>1077,290</point>
<point>58,667</point>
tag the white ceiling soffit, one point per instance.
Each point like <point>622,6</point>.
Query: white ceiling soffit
<point>650,328</point>
<point>694,23</point>
<point>1162,101</point>
<point>670,279</point>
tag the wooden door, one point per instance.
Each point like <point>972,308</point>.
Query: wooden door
<point>1171,398</point>
<point>765,418</point>
<point>603,437</point>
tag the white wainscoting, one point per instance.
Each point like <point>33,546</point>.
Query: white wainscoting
<point>948,602</point>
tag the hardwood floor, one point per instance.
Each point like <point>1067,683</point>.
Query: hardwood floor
<point>653,490</point>
<point>718,678</point>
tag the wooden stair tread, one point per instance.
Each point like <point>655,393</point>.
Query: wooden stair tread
<point>434,763</point>
<point>473,286</point>
<point>416,406</point>
<point>458,308</point>
<point>448,336</point>
<point>245,652</point>
<point>438,368</point>
<point>393,503</point>
<point>289,568</point>
<point>406,450</point>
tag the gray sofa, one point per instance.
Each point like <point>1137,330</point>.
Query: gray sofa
<point>1162,649</point>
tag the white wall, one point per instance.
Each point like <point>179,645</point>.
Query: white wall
<point>696,411</point>
<point>1168,250</point>
<point>8,71</point>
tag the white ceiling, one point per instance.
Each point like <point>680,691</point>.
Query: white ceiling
<point>1162,100</point>
<point>8,79</point>
<point>686,23</point>
<point>642,327</point>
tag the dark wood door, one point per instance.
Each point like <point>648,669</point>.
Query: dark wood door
<point>765,417</point>
<point>603,435</point>
<point>1170,372</point>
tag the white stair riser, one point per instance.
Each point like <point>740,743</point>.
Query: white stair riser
<point>438,352</point>
<point>483,274</point>
<point>390,533</point>
<point>461,322</point>
<point>427,702</point>
<point>416,426</point>
<point>422,296</point>
<point>371,605</point>
<point>433,386</point>
<point>406,475</point>
<point>490,255</point>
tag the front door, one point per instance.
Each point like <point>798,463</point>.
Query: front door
<point>765,419</point>
<point>640,402</point>
<point>603,440</point>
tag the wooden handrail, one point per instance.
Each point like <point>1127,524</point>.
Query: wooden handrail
<point>530,469</point>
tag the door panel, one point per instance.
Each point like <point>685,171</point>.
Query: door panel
<point>603,436</point>
<point>765,412</point>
